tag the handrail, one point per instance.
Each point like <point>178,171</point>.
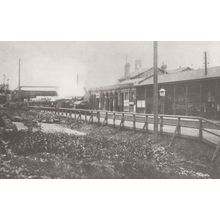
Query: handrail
<point>211,132</point>
<point>211,122</point>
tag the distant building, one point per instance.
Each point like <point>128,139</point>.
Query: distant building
<point>30,92</point>
<point>188,92</point>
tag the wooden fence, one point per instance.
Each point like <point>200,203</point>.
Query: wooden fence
<point>186,126</point>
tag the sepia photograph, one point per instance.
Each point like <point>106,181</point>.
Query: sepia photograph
<point>110,109</point>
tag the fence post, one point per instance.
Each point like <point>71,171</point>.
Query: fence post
<point>146,123</point>
<point>178,127</point>
<point>85,116</point>
<point>98,117</point>
<point>134,127</point>
<point>70,113</point>
<point>75,115</point>
<point>77,118</point>
<point>114,119</point>
<point>161,124</point>
<point>106,117</point>
<point>122,120</point>
<point>200,129</point>
<point>92,116</point>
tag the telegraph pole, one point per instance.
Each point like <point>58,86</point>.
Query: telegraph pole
<point>19,80</point>
<point>155,92</point>
<point>205,57</point>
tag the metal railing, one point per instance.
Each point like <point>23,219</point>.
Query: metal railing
<point>186,126</point>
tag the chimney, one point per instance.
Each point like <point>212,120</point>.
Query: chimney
<point>137,65</point>
<point>127,70</point>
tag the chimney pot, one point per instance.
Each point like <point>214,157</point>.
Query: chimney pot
<point>137,65</point>
<point>127,70</point>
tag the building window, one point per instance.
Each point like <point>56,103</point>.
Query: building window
<point>126,96</point>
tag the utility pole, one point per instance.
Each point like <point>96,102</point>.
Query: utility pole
<point>19,80</point>
<point>205,57</point>
<point>155,92</point>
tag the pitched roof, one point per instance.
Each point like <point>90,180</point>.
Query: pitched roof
<point>197,74</point>
<point>142,73</point>
<point>147,73</point>
<point>179,75</point>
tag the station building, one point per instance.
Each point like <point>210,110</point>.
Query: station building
<point>186,91</point>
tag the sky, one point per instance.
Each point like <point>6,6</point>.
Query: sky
<point>96,63</point>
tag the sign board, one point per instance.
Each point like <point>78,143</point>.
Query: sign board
<point>162,92</point>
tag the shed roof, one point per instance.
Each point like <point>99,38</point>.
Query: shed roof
<point>34,91</point>
<point>39,88</point>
